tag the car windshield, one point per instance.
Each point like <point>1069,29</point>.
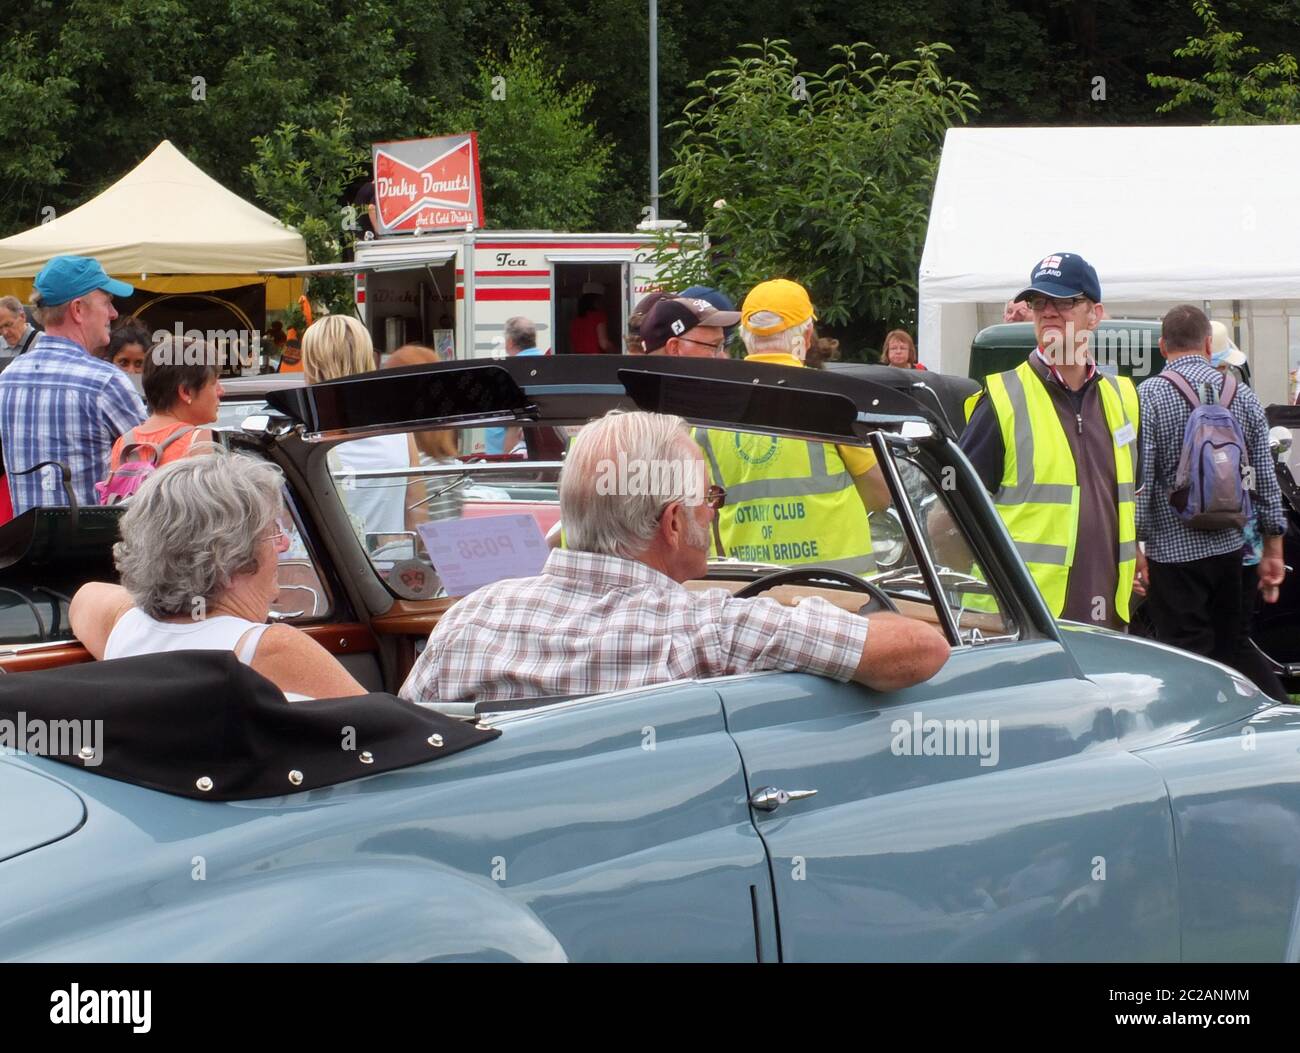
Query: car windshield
<point>440,513</point>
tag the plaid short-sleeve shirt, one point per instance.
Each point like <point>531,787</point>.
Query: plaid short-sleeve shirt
<point>58,403</point>
<point>591,623</point>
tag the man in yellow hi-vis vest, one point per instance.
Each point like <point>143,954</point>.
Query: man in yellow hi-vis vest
<point>790,501</point>
<point>1055,442</point>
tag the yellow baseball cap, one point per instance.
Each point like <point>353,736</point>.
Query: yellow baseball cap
<point>782,297</point>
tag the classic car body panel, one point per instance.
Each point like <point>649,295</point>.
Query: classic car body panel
<point>49,810</point>
<point>612,827</point>
<point>1065,851</point>
<point>1235,793</point>
<point>1125,816</point>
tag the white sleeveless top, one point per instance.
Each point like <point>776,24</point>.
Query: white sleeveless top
<point>136,633</point>
<point>379,504</point>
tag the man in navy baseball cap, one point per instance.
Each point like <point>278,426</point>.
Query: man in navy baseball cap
<point>718,298</point>
<point>1054,441</point>
<point>1063,274</point>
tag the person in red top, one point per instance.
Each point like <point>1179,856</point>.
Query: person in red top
<point>900,350</point>
<point>588,333</point>
<point>182,389</point>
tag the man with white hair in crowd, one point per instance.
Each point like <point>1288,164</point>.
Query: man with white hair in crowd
<point>610,610</point>
<point>521,340</point>
<point>16,331</point>
<point>803,502</point>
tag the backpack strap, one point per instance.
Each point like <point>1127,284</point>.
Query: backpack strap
<point>155,449</point>
<point>1184,387</point>
<point>1229,390</point>
<point>180,432</point>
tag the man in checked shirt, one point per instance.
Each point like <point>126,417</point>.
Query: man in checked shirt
<point>609,611</point>
<point>1194,593</point>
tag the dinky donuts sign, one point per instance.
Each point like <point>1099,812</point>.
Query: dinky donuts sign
<point>428,184</point>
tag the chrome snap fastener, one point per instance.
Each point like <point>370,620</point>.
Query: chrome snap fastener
<point>366,757</point>
<point>434,740</point>
<point>203,783</point>
<point>295,777</point>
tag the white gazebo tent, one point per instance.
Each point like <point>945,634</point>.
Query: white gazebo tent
<point>168,227</point>
<point>1209,216</point>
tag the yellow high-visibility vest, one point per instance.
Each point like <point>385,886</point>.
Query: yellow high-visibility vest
<point>788,501</point>
<point>1038,498</point>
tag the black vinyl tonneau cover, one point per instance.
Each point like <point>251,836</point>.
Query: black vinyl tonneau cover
<point>185,720</point>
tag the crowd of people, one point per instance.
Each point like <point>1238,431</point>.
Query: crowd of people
<point>1101,484</point>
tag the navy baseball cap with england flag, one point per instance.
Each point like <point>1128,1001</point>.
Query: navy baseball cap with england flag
<point>65,278</point>
<point>1061,275</point>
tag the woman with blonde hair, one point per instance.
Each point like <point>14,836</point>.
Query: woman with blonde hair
<point>899,350</point>
<point>338,346</point>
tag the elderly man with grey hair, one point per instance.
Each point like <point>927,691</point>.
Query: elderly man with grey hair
<point>610,611</point>
<point>521,339</point>
<point>199,565</point>
<point>16,331</point>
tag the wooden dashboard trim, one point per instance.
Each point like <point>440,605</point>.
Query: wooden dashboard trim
<point>337,638</point>
<point>411,617</point>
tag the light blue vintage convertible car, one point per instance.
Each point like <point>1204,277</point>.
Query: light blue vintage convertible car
<point>1054,793</point>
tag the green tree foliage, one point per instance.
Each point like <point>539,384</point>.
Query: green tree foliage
<point>821,177</point>
<point>300,175</point>
<point>1235,89</point>
<point>543,165</point>
<point>89,87</point>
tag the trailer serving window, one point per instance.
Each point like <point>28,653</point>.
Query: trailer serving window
<point>580,286</point>
<point>402,299</point>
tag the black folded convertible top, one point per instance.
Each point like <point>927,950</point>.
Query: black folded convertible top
<point>202,724</point>
<point>572,389</point>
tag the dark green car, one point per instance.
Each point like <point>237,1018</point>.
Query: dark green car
<point>1125,345</point>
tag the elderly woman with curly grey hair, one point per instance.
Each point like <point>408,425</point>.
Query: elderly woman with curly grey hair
<point>198,560</point>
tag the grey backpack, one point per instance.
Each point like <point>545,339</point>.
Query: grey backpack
<point>1210,491</point>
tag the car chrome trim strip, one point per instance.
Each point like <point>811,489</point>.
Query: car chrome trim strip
<point>912,528</point>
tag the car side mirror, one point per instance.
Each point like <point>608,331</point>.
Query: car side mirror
<point>1279,441</point>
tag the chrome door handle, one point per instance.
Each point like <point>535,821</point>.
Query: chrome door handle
<point>769,798</point>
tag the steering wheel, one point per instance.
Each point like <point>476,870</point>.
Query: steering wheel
<point>879,601</point>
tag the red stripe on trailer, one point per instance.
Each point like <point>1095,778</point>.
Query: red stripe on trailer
<point>512,274</point>
<point>589,245</point>
<point>511,294</point>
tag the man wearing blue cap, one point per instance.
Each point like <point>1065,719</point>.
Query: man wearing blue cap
<point>58,403</point>
<point>1055,442</point>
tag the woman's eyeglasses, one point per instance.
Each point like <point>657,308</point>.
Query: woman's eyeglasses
<point>281,531</point>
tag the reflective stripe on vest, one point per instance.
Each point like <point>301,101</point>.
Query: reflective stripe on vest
<point>788,501</point>
<point>1039,496</point>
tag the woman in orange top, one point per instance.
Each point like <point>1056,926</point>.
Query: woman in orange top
<point>900,350</point>
<point>182,386</point>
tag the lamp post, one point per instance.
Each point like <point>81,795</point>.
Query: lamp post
<point>654,109</point>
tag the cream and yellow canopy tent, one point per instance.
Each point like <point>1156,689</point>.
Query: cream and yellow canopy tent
<point>168,227</point>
